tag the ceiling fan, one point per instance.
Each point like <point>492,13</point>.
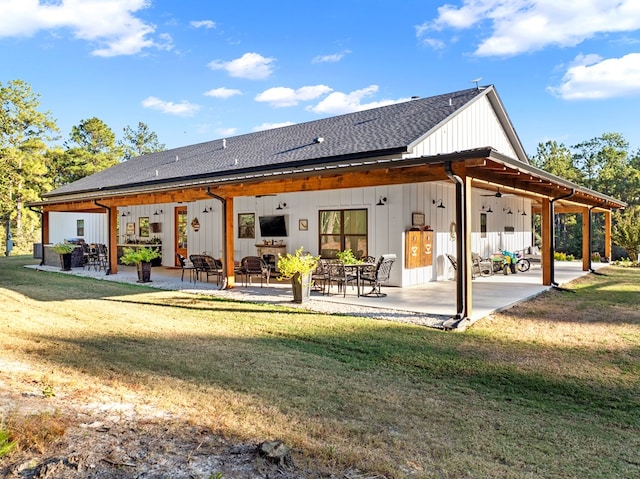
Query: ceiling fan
<point>497,194</point>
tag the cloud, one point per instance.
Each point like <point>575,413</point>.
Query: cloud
<point>222,92</point>
<point>109,23</point>
<point>336,57</point>
<point>252,66</point>
<point>591,77</point>
<point>183,108</point>
<point>203,24</point>
<point>525,26</point>
<point>280,97</point>
<point>271,126</point>
<point>226,131</point>
<point>338,103</point>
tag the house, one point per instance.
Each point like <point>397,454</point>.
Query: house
<point>372,181</point>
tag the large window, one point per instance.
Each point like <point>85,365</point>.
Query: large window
<point>341,230</point>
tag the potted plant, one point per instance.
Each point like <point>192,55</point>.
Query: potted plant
<point>64,250</point>
<point>142,258</point>
<point>347,257</point>
<point>298,267</point>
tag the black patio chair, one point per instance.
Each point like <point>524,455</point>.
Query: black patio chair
<point>340,275</point>
<point>380,276</point>
<point>252,266</point>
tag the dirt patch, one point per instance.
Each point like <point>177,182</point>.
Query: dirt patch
<point>121,438</point>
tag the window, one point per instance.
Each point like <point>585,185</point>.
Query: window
<point>144,226</point>
<point>246,225</point>
<point>341,230</point>
<point>79,227</point>
<point>483,225</point>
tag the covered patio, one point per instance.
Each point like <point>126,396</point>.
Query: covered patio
<point>431,304</point>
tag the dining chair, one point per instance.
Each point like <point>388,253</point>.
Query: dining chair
<point>340,275</point>
<point>252,266</point>
<point>380,276</point>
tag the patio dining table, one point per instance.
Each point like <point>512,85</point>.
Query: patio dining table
<point>358,267</point>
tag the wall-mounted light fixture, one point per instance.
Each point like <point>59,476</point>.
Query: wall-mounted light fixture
<point>522,212</point>
<point>487,209</point>
<point>281,206</point>
<point>207,210</point>
<point>158,212</point>
<point>382,201</point>
<point>125,213</point>
<point>440,205</point>
<point>509,212</point>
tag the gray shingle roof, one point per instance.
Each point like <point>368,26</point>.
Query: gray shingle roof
<point>367,133</point>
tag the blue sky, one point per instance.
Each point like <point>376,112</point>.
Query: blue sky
<point>193,71</point>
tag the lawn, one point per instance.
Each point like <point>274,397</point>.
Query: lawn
<point>550,388</point>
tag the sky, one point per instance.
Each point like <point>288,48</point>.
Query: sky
<point>200,70</point>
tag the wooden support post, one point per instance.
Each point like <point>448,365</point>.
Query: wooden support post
<point>586,239</point>
<point>607,234</point>
<point>547,241</point>
<point>229,267</point>
<point>113,239</point>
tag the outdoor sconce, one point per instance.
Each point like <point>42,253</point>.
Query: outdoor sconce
<point>487,209</point>
<point>158,212</point>
<point>382,201</point>
<point>207,210</point>
<point>440,205</point>
<point>281,206</point>
<point>509,212</point>
<point>124,214</point>
<point>524,213</point>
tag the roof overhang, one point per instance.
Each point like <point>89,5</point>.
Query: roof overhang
<point>488,169</point>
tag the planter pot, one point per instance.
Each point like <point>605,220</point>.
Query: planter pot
<point>65,261</point>
<point>144,272</point>
<point>301,285</point>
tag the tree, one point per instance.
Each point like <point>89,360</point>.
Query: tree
<point>91,148</point>
<point>139,142</point>
<point>625,231</point>
<point>24,136</point>
<point>558,160</point>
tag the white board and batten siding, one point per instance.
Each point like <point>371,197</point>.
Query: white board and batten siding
<point>64,226</point>
<point>476,126</point>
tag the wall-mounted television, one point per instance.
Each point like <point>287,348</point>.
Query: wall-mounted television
<point>275,225</point>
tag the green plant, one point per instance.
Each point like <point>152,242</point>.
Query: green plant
<point>299,262</point>
<point>63,248</point>
<point>139,255</point>
<point>347,257</point>
<point>6,444</point>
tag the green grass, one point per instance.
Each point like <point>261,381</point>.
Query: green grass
<point>549,389</point>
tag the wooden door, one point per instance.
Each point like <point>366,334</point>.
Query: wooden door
<point>181,232</point>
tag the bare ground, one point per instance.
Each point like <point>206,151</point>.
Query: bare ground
<point>108,435</point>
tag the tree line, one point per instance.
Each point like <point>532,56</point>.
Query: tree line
<point>35,159</point>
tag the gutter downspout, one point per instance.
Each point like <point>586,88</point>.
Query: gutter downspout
<point>41,213</point>
<point>552,249</point>
<point>224,233</point>
<point>95,202</point>
<point>462,308</point>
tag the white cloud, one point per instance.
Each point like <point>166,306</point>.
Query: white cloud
<point>337,103</point>
<point>222,92</point>
<point>591,77</point>
<point>336,57</point>
<point>108,23</point>
<point>226,131</point>
<point>271,126</point>
<point>519,26</point>
<point>183,108</point>
<point>281,96</point>
<point>203,24</point>
<point>252,66</point>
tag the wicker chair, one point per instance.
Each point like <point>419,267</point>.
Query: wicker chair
<point>252,266</point>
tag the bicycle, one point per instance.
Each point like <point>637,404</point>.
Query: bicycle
<point>522,263</point>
